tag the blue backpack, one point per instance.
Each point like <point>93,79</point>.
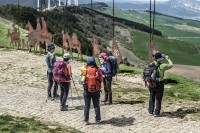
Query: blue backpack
<point>114,65</point>
<point>151,76</point>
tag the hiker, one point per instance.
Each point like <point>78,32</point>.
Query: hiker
<point>50,60</point>
<point>65,83</point>
<point>105,67</point>
<point>157,89</point>
<point>62,74</point>
<point>92,88</point>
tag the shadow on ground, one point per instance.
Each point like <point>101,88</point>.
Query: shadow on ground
<point>171,81</point>
<point>120,122</point>
<point>181,112</point>
<point>132,102</point>
<point>75,98</point>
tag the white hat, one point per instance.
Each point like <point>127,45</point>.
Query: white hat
<point>66,56</point>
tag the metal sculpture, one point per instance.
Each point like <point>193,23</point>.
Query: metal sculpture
<point>96,48</point>
<point>14,37</point>
<point>151,46</point>
<point>74,43</point>
<point>65,45</point>
<point>115,51</point>
<point>40,36</point>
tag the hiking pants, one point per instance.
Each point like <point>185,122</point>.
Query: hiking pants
<point>107,82</point>
<point>156,94</point>
<point>95,96</point>
<point>64,90</point>
<point>50,84</point>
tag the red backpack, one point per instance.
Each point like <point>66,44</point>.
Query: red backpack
<point>93,80</point>
<point>58,72</point>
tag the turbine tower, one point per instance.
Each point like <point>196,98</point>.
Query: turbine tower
<point>59,3</point>
<point>38,5</point>
<point>49,5</point>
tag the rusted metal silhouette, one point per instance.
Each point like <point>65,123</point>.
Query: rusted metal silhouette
<point>40,36</point>
<point>74,43</point>
<point>96,48</point>
<point>14,37</point>
<point>25,45</point>
<point>65,45</point>
<point>152,50</point>
<point>115,51</point>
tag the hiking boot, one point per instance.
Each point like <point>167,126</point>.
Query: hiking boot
<point>104,101</point>
<point>108,103</point>
<point>49,97</point>
<point>63,109</point>
<point>56,96</point>
<point>156,115</point>
<point>150,114</point>
<point>98,121</point>
<point>86,123</point>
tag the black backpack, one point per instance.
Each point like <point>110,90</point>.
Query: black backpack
<point>151,76</point>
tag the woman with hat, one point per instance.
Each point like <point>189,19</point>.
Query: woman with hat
<point>156,94</point>
<point>92,88</point>
<point>50,60</point>
<point>105,67</point>
<point>64,86</point>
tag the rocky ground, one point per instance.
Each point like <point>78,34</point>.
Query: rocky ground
<point>23,92</point>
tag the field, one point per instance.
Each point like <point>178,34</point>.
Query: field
<point>179,51</point>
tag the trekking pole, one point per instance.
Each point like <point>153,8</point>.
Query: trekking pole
<point>71,95</point>
<point>76,90</point>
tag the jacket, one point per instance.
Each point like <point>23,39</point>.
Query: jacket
<point>163,67</point>
<point>106,69</point>
<point>50,61</point>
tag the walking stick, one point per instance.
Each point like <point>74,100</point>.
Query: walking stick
<point>71,96</point>
<point>76,90</point>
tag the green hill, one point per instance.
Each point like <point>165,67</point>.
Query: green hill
<point>180,29</point>
<point>179,51</point>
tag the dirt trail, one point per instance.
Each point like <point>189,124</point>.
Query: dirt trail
<point>23,93</point>
<point>187,71</point>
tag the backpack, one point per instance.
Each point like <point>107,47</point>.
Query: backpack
<point>58,72</point>
<point>92,79</point>
<point>114,65</point>
<point>151,76</point>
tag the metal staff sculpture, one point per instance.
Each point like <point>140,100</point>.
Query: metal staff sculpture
<point>96,48</point>
<point>74,43</point>
<point>14,37</point>
<point>65,45</point>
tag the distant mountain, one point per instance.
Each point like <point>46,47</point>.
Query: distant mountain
<point>189,9</point>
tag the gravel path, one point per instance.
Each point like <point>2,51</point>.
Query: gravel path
<point>23,93</point>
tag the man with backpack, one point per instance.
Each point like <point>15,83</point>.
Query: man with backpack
<point>109,69</point>
<point>62,74</point>
<point>153,76</point>
<point>92,86</point>
<point>50,60</point>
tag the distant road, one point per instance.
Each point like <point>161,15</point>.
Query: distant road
<point>181,37</point>
<point>187,71</point>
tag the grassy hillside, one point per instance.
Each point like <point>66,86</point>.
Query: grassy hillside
<point>4,26</point>
<point>169,26</point>
<point>179,51</point>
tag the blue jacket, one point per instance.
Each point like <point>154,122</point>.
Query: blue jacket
<point>106,69</point>
<point>49,64</point>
